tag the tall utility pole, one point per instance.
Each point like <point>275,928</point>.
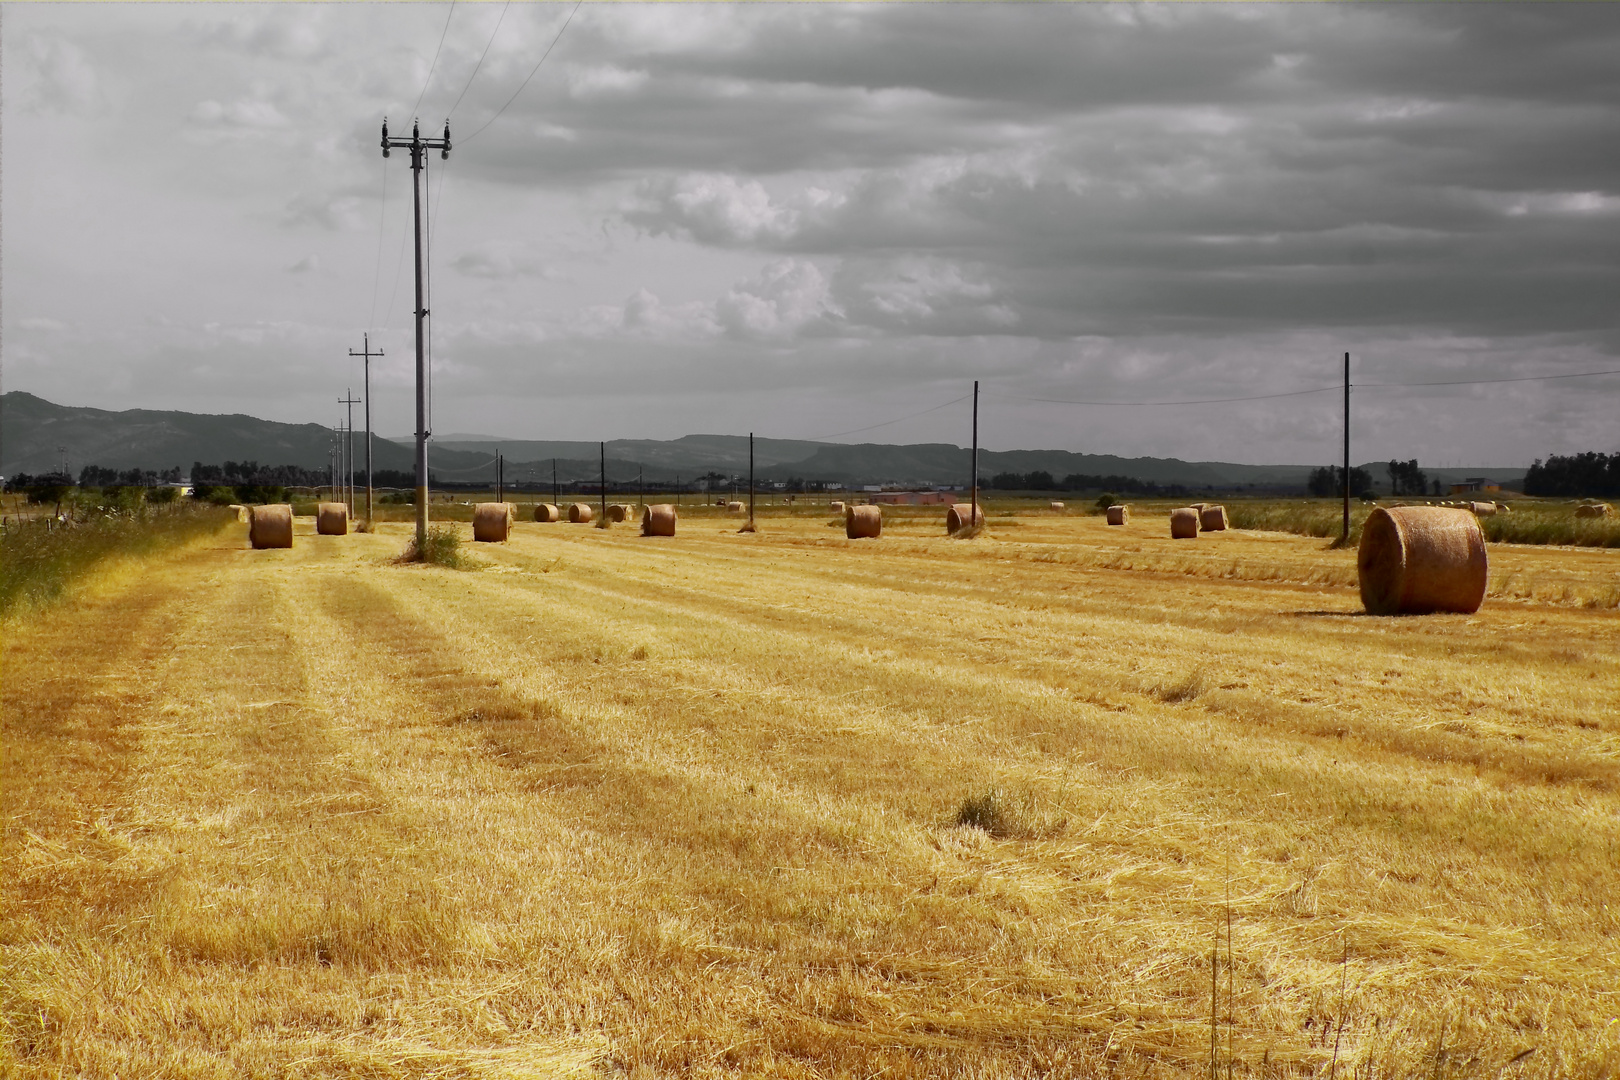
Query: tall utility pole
<point>368,354</point>
<point>419,147</point>
<point>641,491</point>
<point>1346,485</point>
<point>602,448</point>
<point>750,479</point>
<point>351,401</point>
<point>553,481</point>
<point>500,475</point>
<point>974,520</point>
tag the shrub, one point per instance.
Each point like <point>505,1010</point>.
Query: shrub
<point>441,548</point>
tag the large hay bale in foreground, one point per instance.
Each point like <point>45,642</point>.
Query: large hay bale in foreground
<point>1212,518</point>
<point>1483,509</point>
<point>492,522</point>
<point>1594,510</point>
<point>332,519</point>
<point>836,506</point>
<point>270,526</point>
<point>962,516</point>
<point>547,512</point>
<point>658,520</point>
<point>581,513</point>
<point>1418,559</point>
<point>1119,515</point>
<point>863,522</point>
<point>1184,523</point>
<point>736,508</point>
<point>617,512</point>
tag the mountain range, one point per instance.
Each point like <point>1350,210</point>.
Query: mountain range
<point>36,435</point>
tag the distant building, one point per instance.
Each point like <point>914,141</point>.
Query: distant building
<point>1475,483</point>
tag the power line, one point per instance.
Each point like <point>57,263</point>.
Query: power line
<point>525,82</point>
<point>428,81</point>
<point>896,420</point>
<point>1485,382</point>
<point>480,63</point>
<point>1197,401</point>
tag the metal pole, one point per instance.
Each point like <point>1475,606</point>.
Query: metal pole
<point>750,478</point>
<point>641,491</point>
<point>602,449</point>
<point>1345,487</point>
<point>554,481</point>
<point>367,354</point>
<point>351,401</point>
<point>974,519</point>
<point>499,471</point>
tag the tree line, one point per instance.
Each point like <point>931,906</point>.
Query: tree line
<point>1575,476</point>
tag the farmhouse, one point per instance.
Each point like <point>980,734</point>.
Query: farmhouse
<point>1475,483</point>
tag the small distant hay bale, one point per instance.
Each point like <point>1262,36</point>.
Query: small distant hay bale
<point>863,522</point>
<point>240,511</point>
<point>270,526</point>
<point>547,512</point>
<point>332,519</point>
<point>1418,559</point>
<point>1594,510</point>
<point>1212,518</point>
<point>1119,515</point>
<point>581,513</point>
<point>736,507</point>
<point>836,506</point>
<point>1055,506</point>
<point>1199,507</point>
<point>963,516</point>
<point>492,522</point>
<point>617,512</point>
<point>1482,509</point>
<point>1184,523</point>
<point>658,520</point>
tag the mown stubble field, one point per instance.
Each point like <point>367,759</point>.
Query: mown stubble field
<point>690,807</point>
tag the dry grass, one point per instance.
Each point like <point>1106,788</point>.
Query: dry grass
<point>791,805</point>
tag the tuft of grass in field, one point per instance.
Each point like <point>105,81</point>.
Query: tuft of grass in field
<point>441,547</point>
<point>1550,523</point>
<point>42,558</point>
<point>1300,518</point>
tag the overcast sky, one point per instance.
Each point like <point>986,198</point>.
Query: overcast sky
<point>804,219</point>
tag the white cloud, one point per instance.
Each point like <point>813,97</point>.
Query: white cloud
<point>63,79</point>
<point>787,297</point>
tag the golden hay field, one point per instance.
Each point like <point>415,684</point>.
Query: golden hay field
<point>693,807</point>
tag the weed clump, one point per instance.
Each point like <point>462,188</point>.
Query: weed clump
<point>1176,691</point>
<point>988,812</point>
<point>441,547</point>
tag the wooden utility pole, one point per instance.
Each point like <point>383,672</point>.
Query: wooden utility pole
<point>500,476</point>
<point>602,449</point>
<point>553,481</point>
<point>750,479</point>
<point>419,147</point>
<point>367,354</point>
<point>1345,487</point>
<point>641,491</point>
<point>351,401</point>
<point>974,520</point>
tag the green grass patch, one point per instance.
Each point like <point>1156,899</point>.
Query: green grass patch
<point>41,559</point>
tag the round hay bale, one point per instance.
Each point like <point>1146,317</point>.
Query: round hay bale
<point>1199,507</point>
<point>270,526</point>
<point>332,519</point>
<point>1483,509</point>
<point>836,506</point>
<point>1418,559</point>
<point>492,522</point>
<point>617,512</point>
<point>736,508</point>
<point>1184,523</point>
<point>240,511</point>
<point>658,520</point>
<point>957,517</point>
<point>1594,510</point>
<point>581,513</point>
<point>1119,515</point>
<point>1055,506</point>
<point>547,512</point>
<point>1212,518</point>
<point>863,522</point>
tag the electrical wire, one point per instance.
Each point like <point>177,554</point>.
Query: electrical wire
<point>896,420</point>
<point>431,67</point>
<point>480,63</point>
<point>532,71</point>
<point>1196,401</point>
<point>1486,382</point>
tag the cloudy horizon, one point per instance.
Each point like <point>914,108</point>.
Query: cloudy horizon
<point>810,220</point>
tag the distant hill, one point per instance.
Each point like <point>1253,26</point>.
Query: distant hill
<point>32,428</point>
